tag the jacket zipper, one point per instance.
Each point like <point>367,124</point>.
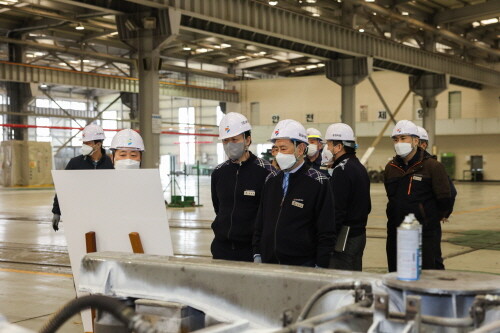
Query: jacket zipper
<point>234,205</point>
<point>276,231</point>
<point>409,186</point>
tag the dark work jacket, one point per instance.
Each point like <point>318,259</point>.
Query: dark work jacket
<point>298,228</point>
<point>236,193</point>
<point>351,189</point>
<point>316,165</point>
<point>422,187</point>
<point>84,163</point>
<point>453,189</point>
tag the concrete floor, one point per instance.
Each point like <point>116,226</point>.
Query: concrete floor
<point>35,277</point>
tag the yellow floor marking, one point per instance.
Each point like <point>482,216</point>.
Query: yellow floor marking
<point>476,210</point>
<point>33,272</point>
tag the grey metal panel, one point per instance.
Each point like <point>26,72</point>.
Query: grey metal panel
<point>36,74</point>
<point>260,18</point>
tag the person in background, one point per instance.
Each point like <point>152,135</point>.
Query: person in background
<point>424,143</point>
<point>127,148</point>
<point>93,156</point>
<point>314,151</point>
<point>351,189</point>
<point>236,188</point>
<point>295,222</point>
<point>415,183</point>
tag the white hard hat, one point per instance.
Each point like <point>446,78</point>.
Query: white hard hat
<point>127,139</point>
<point>289,129</point>
<point>405,127</point>
<point>233,124</point>
<point>339,132</point>
<point>423,133</point>
<point>92,132</point>
<point>313,133</point>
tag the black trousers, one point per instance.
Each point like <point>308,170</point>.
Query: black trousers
<point>431,249</point>
<point>228,250</point>
<point>352,257</point>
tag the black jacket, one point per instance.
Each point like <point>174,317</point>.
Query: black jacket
<point>422,187</point>
<point>453,189</point>
<point>351,189</point>
<point>298,228</point>
<point>316,164</point>
<point>84,163</point>
<point>236,193</point>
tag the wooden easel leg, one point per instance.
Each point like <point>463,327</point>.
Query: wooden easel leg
<point>135,241</point>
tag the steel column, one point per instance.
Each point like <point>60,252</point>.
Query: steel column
<point>348,72</point>
<point>149,59</point>
<point>429,86</point>
<point>348,113</point>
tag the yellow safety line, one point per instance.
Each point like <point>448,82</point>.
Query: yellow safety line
<point>476,210</point>
<point>33,272</point>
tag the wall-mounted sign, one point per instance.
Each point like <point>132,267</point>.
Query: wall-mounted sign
<point>382,115</point>
<point>276,119</point>
<point>310,117</point>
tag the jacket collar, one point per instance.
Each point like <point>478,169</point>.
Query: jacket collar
<point>250,160</point>
<point>341,158</point>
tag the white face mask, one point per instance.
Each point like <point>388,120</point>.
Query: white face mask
<point>286,161</point>
<point>312,149</point>
<point>127,164</point>
<point>327,156</point>
<point>403,149</point>
<point>86,150</point>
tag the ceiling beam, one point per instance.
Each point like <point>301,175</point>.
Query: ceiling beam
<point>78,52</point>
<point>485,10</point>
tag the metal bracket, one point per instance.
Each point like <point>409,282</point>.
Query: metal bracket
<point>413,311</point>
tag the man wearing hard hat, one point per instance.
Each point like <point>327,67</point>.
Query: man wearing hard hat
<point>236,191</point>
<point>314,151</point>
<point>351,189</point>
<point>424,143</point>
<point>93,156</point>
<point>415,183</point>
<point>127,148</point>
<point>295,222</point>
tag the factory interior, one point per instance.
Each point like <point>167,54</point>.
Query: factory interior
<point>173,71</point>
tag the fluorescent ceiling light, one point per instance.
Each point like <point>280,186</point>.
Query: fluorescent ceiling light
<point>30,55</point>
<point>43,85</point>
<point>405,13</point>
<point>186,48</point>
<point>39,54</point>
<point>489,21</point>
<point>475,24</point>
<point>202,50</point>
<point>311,66</point>
<point>361,30</point>
<point>273,3</point>
<point>298,69</point>
<point>311,1</point>
<point>369,0</point>
<point>321,65</point>
<point>225,45</point>
<point>62,64</point>
<point>86,61</point>
<point>80,27</point>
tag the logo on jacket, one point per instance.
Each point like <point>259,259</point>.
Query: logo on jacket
<point>227,129</point>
